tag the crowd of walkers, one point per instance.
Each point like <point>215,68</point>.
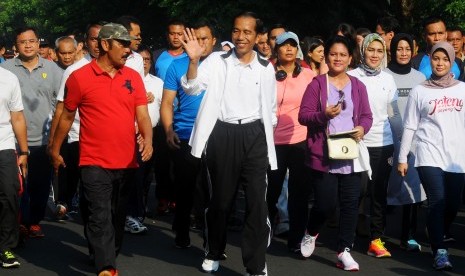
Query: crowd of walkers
<point>308,130</point>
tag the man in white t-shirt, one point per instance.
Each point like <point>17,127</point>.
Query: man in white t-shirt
<point>12,125</point>
<point>134,59</point>
<point>68,177</point>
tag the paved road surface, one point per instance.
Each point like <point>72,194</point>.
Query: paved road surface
<point>63,252</point>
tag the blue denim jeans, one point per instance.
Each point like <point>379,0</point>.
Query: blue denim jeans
<point>443,190</point>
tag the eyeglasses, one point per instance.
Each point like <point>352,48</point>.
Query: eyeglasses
<point>27,41</point>
<point>122,43</point>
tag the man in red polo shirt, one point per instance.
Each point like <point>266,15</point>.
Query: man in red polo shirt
<point>110,97</point>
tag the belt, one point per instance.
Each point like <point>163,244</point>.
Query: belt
<point>242,121</point>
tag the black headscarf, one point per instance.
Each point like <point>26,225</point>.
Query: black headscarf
<point>394,66</point>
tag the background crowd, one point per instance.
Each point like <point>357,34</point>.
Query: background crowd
<point>402,106</point>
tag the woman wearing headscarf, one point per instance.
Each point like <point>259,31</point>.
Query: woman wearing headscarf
<point>382,95</point>
<point>405,191</point>
<point>435,117</point>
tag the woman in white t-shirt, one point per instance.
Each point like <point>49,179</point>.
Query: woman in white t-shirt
<point>435,117</point>
<point>382,96</point>
<point>405,191</point>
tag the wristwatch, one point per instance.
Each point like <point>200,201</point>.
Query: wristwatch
<point>24,153</point>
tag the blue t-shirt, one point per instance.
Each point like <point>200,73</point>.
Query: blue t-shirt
<point>425,68</point>
<point>164,61</point>
<point>186,106</point>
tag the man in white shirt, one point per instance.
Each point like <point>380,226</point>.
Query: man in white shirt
<point>68,177</point>
<point>234,129</point>
<point>134,59</point>
<point>12,125</point>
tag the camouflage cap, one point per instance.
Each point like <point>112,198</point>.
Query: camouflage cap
<point>114,31</point>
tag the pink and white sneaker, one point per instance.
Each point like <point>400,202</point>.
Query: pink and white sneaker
<point>346,262</point>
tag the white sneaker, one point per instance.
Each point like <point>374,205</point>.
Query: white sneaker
<point>134,226</point>
<point>346,262</point>
<point>210,265</point>
<point>307,246</point>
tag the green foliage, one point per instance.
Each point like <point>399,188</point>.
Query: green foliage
<point>453,11</point>
<point>456,12</point>
<point>316,17</point>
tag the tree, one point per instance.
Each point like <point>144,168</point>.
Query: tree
<point>317,17</point>
<point>305,17</point>
<point>53,18</point>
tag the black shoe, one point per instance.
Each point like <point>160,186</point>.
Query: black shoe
<point>8,259</point>
<point>182,241</point>
<point>223,256</point>
<point>91,259</point>
<point>294,250</point>
<point>448,238</point>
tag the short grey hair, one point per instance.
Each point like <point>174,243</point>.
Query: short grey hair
<point>65,39</point>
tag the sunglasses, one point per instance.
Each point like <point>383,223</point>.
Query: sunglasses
<point>341,100</point>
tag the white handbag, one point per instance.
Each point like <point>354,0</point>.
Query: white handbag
<point>340,145</point>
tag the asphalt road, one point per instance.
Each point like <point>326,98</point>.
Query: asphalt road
<point>63,252</point>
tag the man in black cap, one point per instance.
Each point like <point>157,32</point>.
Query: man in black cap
<point>106,91</point>
<point>44,48</point>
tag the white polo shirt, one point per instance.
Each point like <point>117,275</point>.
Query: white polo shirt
<point>241,100</point>
<point>10,100</point>
<point>220,76</point>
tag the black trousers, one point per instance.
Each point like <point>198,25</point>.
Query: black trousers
<point>68,178</point>
<point>39,178</point>
<point>187,173</point>
<point>377,187</point>
<point>137,201</point>
<point>291,157</point>
<point>237,155</point>
<point>409,221</point>
<point>105,192</point>
<point>331,189</point>
<point>9,201</point>
<point>162,166</point>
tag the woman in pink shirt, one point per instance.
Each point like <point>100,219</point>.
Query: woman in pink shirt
<point>289,137</point>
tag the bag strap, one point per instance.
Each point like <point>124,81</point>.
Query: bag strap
<point>327,103</point>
